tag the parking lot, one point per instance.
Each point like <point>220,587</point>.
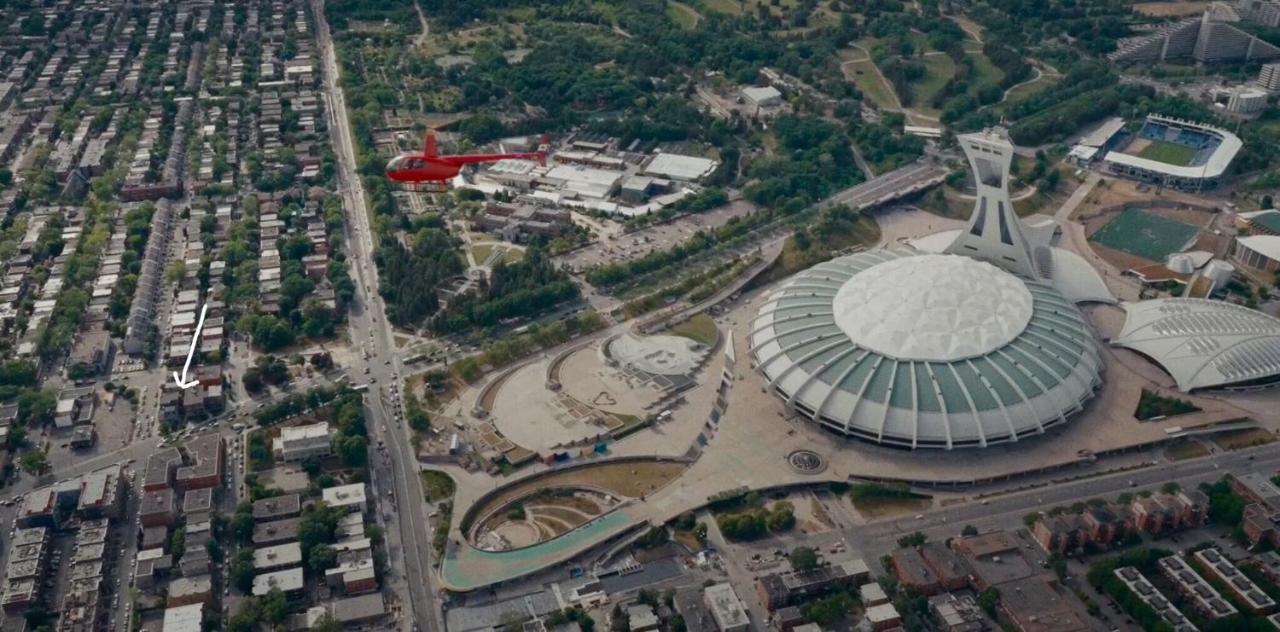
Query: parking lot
<point>614,245</point>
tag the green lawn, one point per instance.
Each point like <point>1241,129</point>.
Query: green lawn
<point>1144,234</point>
<point>512,255</point>
<point>1168,153</point>
<point>481,252</point>
<point>701,328</point>
<point>683,15</point>
<point>939,70</point>
<point>1028,89</point>
<point>985,73</point>
<point>869,83</point>
<point>437,485</point>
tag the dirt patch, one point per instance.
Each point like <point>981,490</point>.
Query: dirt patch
<point>1182,449</point>
<point>1240,439</point>
<point>877,508</point>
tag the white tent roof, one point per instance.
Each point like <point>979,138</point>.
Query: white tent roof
<point>1203,343</point>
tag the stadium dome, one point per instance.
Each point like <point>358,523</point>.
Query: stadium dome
<point>925,350</point>
<point>1203,343</point>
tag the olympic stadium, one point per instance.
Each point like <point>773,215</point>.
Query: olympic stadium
<point>975,337</point>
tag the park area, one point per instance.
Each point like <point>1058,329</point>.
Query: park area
<point>1145,235</point>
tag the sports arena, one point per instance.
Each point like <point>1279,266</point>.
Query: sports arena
<point>1175,153</point>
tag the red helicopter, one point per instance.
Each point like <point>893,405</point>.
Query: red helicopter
<point>429,167</point>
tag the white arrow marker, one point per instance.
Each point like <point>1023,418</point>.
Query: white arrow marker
<point>181,380</point>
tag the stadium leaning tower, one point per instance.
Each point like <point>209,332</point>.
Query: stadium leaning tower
<point>994,233</point>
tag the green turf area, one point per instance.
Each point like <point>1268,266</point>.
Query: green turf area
<point>871,85</point>
<point>939,69</point>
<point>700,328</point>
<point>683,15</point>
<point>1168,153</point>
<point>1030,88</point>
<point>985,73</point>
<point>1145,235</point>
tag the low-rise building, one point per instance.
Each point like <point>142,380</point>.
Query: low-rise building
<point>883,617</point>
<point>301,442</point>
<point>188,618</point>
<point>957,614</point>
<point>277,507</point>
<point>188,590</point>
<point>347,497</point>
<point>726,609</point>
<point>279,556</point>
<point>275,532</point>
<point>1145,591</point>
<point>1194,587</point>
<point>157,508</point>
<point>777,590</point>
<point>207,453</point>
<point>289,581</point>
<point>1246,591</point>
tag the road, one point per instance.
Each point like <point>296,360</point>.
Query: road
<point>886,187</point>
<point>408,532</point>
<point>1006,512</point>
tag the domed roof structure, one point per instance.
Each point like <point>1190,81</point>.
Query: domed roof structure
<point>925,350</point>
<point>1204,343</point>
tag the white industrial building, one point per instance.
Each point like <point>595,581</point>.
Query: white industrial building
<point>678,167</point>
<point>765,97</point>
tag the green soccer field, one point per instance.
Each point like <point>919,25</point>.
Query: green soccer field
<point>1145,235</point>
<point>1168,153</point>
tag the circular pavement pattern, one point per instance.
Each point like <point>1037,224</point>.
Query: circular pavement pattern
<point>806,462</point>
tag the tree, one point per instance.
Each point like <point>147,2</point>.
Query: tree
<point>327,624</point>
<point>36,407</point>
<point>782,517</point>
<point>34,462</point>
<point>989,600</point>
<point>175,271</point>
<point>912,540</point>
<point>829,609</point>
<point>242,571</point>
<point>322,558</point>
<point>317,320</point>
<point>352,450</point>
<point>803,558</point>
<point>274,607</point>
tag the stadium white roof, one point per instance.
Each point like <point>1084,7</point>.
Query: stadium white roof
<point>1103,133</point>
<point>1265,245</point>
<point>938,307</point>
<point>1203,343</point>
<point>923,350</point>
<point>1214,167</point>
